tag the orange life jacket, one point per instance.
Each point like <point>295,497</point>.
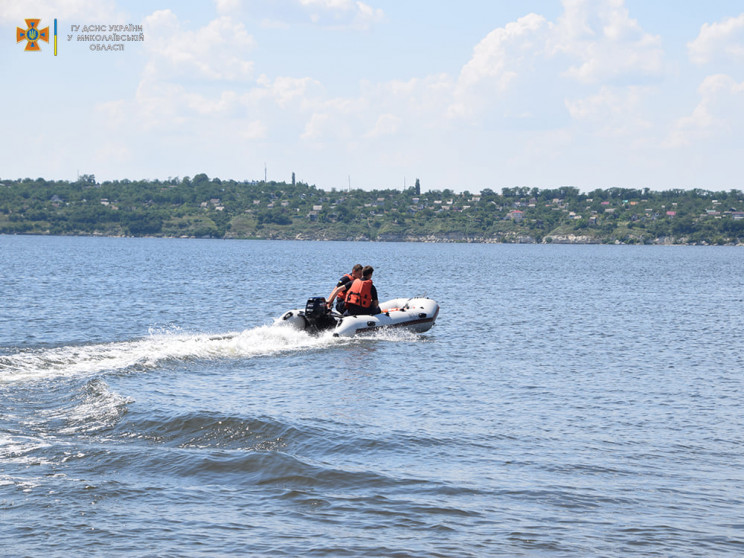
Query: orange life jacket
<point>343,294</point>
<point>360,293</point>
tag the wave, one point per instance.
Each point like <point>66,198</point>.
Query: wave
<point>37,436</point>
<point>94,408</point>
<point>258,450</point>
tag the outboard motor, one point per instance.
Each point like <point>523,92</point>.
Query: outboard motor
<point>317,314</point>
<point>316,307</point>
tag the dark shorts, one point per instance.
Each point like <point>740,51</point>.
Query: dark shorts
<point>356,310</point>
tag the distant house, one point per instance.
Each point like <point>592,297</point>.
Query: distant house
<point>515,215</point>
<point>671,213</point>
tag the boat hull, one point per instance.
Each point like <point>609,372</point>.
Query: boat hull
<point>413,314</point>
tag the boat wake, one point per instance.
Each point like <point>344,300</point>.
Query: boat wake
<point>153,351</point>
<point>161,347</point>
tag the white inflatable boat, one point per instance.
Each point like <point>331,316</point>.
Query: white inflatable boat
<point>414,314</point>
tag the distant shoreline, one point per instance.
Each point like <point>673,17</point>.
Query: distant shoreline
<point>201,207</point>
<point>423,240</point>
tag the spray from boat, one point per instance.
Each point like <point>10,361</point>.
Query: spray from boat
<point>161,347</point>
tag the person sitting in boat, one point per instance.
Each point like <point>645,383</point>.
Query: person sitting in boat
<point>346,280</point>
<point>361,295</point>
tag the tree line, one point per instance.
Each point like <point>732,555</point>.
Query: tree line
<point>204,207</point>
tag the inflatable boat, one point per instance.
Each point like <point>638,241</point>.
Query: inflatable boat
<point>414,314</point>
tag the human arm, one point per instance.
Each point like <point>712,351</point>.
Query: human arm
<point>375,301</point>
<point>336,290</point>
<point>333,294</point>
<point>341,287</point>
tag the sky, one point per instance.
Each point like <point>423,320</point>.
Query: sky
<point>375,94</point>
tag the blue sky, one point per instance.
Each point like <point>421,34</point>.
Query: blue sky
<point>463,95</point>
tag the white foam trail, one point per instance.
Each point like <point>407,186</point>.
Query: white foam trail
<point>96,408</point>
<point>152,351</point>
<point>17,449</point>
<point>397,335</point>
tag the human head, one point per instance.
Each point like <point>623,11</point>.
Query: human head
<point>367,272</point>
<point>356,271</point>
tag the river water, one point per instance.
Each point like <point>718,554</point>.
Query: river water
<point>570,401</point>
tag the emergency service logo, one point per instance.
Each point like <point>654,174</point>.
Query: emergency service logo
<point>32,35</point>
<point>100,37</point>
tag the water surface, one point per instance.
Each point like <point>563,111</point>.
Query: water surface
<point>570,401</point>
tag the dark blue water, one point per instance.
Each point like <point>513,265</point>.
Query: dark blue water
<point>570,401</point>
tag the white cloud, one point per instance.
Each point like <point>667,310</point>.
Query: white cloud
<point>221,106</point>
<point>253,130</point>
<point>289,92</point>
<point>317,127</point>
<point>497,61</point>
<point>188,83</point>
<point>324,13</point>
<point>158,105</point>
<point>227,6</point>
<point>337,119</point>
<point>368,14</point>
<point>517,73</point>
<point>342,13</point>
<point>386,125</point>
<point>608,43</point>
<point>719,113</point>
<point>217,51</point>
<point>422,101</point>
<point>724,39</point>
<point>612,112</point>
<point>524,70</point>
<point>556,90</point>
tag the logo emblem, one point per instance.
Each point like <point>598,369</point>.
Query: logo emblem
<point>32,34</point>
